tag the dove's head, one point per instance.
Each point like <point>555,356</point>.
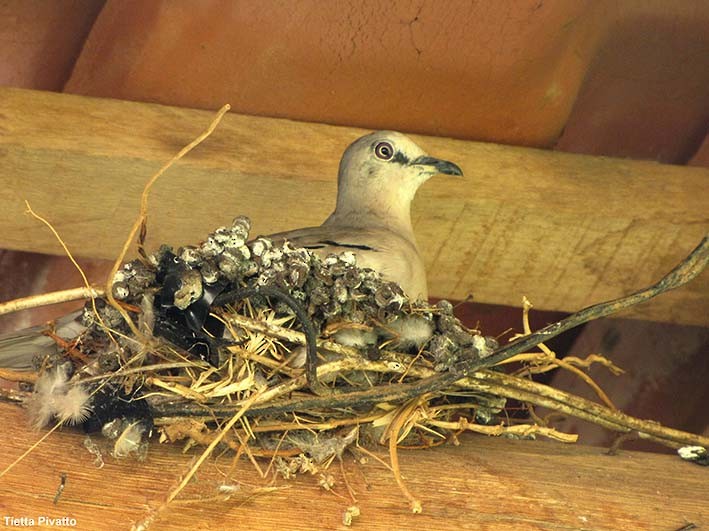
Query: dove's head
<point>382,171</point>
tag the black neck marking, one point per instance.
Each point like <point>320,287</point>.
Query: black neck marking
<point>333,243</point>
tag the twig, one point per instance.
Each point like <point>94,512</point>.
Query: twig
<point>87,286</point>
<point>687,527</point>
<point>520,430</point>
<point>207,452</point>
<point>143,215</point>
<point>311,336</point>
<point>620,440</point>
<point>46,299</point>
<point>148,368</point>
<point>29,450</point>
<point>685,271</point>
<point>329,425</point>
<point>18,376</point>
<point>176,388</point>
<point>60,488</point>
<point>549,356</point>
<point>395,429</point>
<point>543,395</point>
<point>63,244</point>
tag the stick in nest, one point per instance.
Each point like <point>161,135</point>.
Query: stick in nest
<point>685,271</point>
<point>141,222</point>
<point>306,323</point>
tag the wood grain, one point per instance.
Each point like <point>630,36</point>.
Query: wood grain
<point>565,230</point>
<point>483,484</point>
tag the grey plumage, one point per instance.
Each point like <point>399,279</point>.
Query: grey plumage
<point>18,349</point>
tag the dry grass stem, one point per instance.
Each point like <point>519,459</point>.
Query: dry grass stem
<point>208,451</point>
<point>143,215</point>
<point>395,429</point>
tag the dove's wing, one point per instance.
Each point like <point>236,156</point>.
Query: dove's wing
<point>390,254</point>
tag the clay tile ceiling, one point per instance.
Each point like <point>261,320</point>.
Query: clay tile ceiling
<point>628,79</point>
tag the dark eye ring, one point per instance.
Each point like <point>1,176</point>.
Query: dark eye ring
<point>384,150</point>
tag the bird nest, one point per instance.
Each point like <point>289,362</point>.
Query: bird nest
<point>273,352</point>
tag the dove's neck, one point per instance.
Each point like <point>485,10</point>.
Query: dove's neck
<point>380,210</point>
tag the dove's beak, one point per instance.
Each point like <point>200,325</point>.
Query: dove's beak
<point>440,166</point>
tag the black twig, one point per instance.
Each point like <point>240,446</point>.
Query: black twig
<point>685,271</point>
<point>687,527</point>
<point>620,440</point>
<point>311,336</point>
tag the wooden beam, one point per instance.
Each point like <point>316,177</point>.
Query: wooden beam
<point>566,230</point>
<point>482,484</point>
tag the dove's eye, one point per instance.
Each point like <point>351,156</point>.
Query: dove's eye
<point>384,150</point>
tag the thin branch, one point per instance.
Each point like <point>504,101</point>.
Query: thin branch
<point>63,244</point>
<point>143,215</point>
<point>518,430</point>
<point>208,451</point>
<point>396,427</point>
<point>311,336</point>
<point>46,299</point>
<point>18,376</point>
<point>685,271</point>
<point>543,395</point>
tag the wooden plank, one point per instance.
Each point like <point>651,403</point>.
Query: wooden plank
<point>481,484</point>
<point>566,230</point>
